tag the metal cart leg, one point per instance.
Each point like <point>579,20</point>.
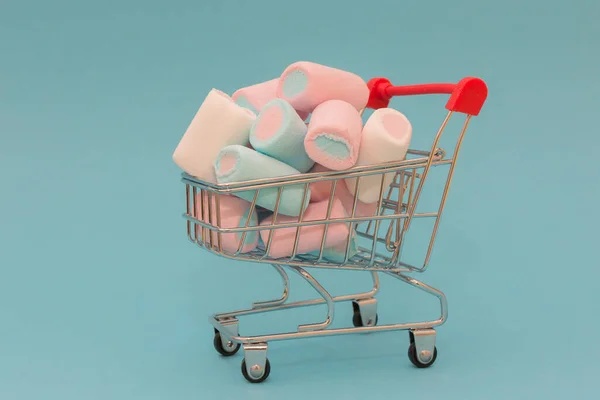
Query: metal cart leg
<point>304,303</point>
<point>222,341</point>
<point>284,296</point>
<point>326,296</point>
<point>422,351</point>
<point>255,365</point>
<point>365,312</point>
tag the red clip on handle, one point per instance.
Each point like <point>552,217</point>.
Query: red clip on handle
<point>466,96</point>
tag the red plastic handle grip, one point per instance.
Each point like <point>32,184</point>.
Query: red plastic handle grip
<point>466,96</point>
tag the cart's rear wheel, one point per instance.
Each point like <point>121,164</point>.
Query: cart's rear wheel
<point>364,310</point>
<point>225,348</point>
<point>259,378</point>
<point>412,356</point>
<point>357,320</point>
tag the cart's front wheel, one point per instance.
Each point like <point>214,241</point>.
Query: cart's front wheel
<point>225,347</point>
<point>412,356</point>
<point>257,373</point>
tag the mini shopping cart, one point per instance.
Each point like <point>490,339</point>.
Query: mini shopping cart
<point>381,236</point>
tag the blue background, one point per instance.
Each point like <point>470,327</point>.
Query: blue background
<point>103,297</point>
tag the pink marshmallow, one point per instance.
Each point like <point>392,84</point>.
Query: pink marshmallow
<point>233,213</point>
<point>319,191</point>
<point>305,85</point>
<point>302,114</point>
<point>310,237</point>
<point>258,95</point>
<point>334,134</point>
<point>347,199</point>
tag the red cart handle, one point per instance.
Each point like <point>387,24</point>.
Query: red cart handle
<point>466,96</point>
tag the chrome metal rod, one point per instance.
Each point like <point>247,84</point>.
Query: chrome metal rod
<point>329,332</point>
<point>384,265</point>
<point>280,225</point>
<point>251,212</point>
<point>293,180</point>
<point>286,291</point>
<point>426,288</point>
<point>202,217</point>
<point>273,221</point>
<point>214,320</point>
<point>377,222</point>
<point>446,191</point>
<point>300,219</point>
<point>425,173</point>
<point>187,211</point>
<point>304,303</point>
<point>218,211</point>
<point>210,219</point>
<point>326,296</point>
<point>327,217</point>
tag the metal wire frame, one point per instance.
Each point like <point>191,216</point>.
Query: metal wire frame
<point>320,329</point>
<point>396,206</point>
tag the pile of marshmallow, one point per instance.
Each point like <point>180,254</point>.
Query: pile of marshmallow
<point>261,131</point>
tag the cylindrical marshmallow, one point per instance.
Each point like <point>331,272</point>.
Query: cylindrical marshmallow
<point>310,236</point>
<point>362,209</point>
<point>233,212</point>
<point>255,97</point>
<point>334,135</point>
<point>320,191</point>
<point>219,122</point>
<point>239,163</point>
<point>279,133</point>
<point>337,253</point>
<point>305,85</point>
<point>385,138</point>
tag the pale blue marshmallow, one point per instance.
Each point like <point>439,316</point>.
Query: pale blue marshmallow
<point>333,145</point>
<point>286,144</point>
<point>250,165</point>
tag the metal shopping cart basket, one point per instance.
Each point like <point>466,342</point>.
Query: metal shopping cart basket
<point>382,236</point>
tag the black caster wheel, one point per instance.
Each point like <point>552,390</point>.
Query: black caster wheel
<point>252,379</point>
<point>412,356</point>
<point>357,319</point>
<point>227,350</point>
